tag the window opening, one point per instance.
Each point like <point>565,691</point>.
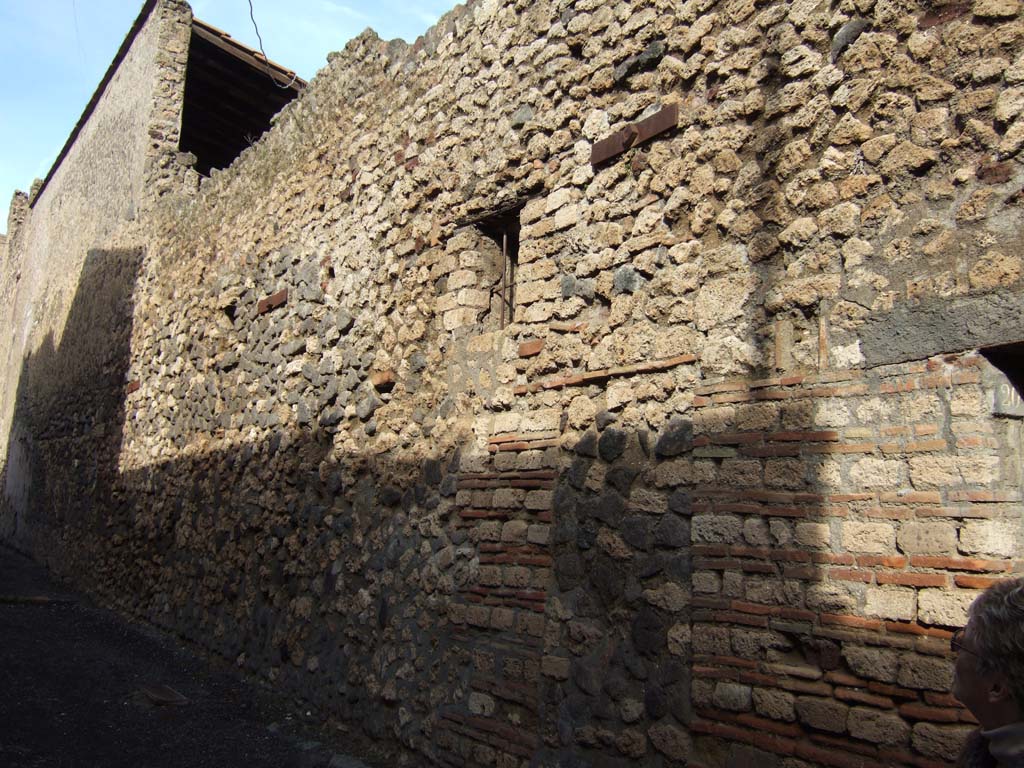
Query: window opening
<point>1009,359</point>
<point>503,230</point>
<point>229,101</point>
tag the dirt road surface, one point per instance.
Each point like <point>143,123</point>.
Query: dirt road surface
<point>82,688</point>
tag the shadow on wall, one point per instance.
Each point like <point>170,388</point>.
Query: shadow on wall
<point>684,563</point>
<point>332,581</point>
<point>66,432</point>
<point>726,592</point>
<point>758,582</point>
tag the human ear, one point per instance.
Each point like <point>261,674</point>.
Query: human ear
<point>998,691</point>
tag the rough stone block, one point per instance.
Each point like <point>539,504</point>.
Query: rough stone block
<point>907,158</point>
<point>799,231</point>
<point>543,420</point>
<point>510,498</point>
<point>768,591</point>
<point>669,597</point>
<point>869,538</point>
<point>781,531</point>
<point>679,639</point>
<point>506,422</point>
<point>994,269</point>
<point>677,439</point>
<point>813,535</point>
<point>716,529</point>
<point>489,530</point>
<point>481,704</point>
<point>478,616</point>
<point>538,500</point>
<point>947,471</point>
<point>619,394</point>
<point>532,460</point>
<point>740,472</point>
<point>582,411</point>
<point>996,9</point>
<point>891,603</point>
<point>722,300</point>
<point>711,640</point>
<point>945,608</point>
<point>877,473</point>
<point>918,538</point>
<point>707,582</point>
<point>775,704</point>
<point>785,473</point>
<point>459,318</point>
<point>490,575</point>
<point>473,297</point>
<point>874,149</point>
<point>939,741</point>
<point>732,697</point>
<point>872,663</point>
<point>538,534</point>
<point>823,714</point>
<point>503,619</point>
<point>991,538</point>
<point>461,278</point>
<point>671,740</point>
<point>834,597</point>
<point>878,727</point>
<point>1009,104</point>
<point>755,532</point>
<point>927,672</point>
<point>842,219</point>
<point>631,710</point>
<point>457,613</point>
<point>516,576</point>
<point>672,531</point>
<point>514,531</point>
<point>529,623</point>
<point>930,126</point>
<point>934,471</point>
<point>613,544</point>
<point>555,666</point>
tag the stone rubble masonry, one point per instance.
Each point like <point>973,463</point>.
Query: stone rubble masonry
<point>123,160</point>
<point>684,506</point>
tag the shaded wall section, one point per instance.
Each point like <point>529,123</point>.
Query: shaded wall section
<point>678,510</point>
<point>120,158</point>
<point>60,478</point>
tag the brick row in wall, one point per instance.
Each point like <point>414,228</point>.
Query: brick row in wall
<point>842,524</point>
<point>499,615</point>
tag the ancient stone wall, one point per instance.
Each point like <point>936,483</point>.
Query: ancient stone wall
<point>685,506</point>
<point>122,159</point>
<point>851,518</point>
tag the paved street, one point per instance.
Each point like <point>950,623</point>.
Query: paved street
<point>79,687</point>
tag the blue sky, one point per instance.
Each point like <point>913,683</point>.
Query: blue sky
<point>54,52</point>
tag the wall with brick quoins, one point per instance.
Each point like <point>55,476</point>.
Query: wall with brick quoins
<point>667,516</point>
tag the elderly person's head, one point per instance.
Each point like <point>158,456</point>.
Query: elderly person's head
<point>989,673</point>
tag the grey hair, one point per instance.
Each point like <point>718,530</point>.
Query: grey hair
<point>997,632</point>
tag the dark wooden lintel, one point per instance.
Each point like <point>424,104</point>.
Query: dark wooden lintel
<point>273,301</point>
<point>634,134</point>
<point>283,78</point>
